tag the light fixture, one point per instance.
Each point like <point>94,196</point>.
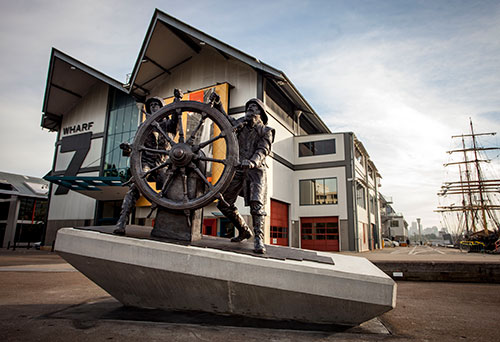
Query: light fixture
<point>72,68</point>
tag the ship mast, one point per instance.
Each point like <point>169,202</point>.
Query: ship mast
<point>468,188</point>
<point>479,178</point>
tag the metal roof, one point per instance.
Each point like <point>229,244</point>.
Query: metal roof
<point>20,185</point>
<point>68,80</point>
<point>184,42</point>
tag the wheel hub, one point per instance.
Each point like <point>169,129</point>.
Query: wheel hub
<point>181,154</point>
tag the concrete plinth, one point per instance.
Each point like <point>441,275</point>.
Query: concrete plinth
<point>153,274</point>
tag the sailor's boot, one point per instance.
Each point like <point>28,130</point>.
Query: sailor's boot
<point>239,223</point>
<point>258,228</point>
<point>127,205</point>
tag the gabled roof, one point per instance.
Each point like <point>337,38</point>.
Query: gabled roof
<point>183,42</point>
<point>168,44</point>
<point>20,185</point>
<point>68,80</point>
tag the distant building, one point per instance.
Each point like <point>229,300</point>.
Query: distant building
<point>23,208</point>
<point>413,229</point>
<point>394,226</point>
<point>429,231</point>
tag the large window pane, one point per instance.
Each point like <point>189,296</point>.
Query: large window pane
<point>331,191</point>
<point>316,148</point>
<point>306,149</point>
<point>318,191</point>
<point>122,125</point>
<point>360,195</point>
<point>306,192</point>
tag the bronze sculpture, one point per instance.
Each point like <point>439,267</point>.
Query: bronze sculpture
<point>175,165</point>
<point>150,160</point>
<point>254,140</point>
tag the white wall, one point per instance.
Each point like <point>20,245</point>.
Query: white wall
<point>339,148</point>
<point>283,143</point>
<point>339,209</point>
<point>92,108</point>
<point>72,206</point>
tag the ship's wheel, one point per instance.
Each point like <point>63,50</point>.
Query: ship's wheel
<point>205,140</point>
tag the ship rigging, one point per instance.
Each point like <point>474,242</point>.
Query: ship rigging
<point>473,199</point>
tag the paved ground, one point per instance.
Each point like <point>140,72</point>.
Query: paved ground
<point>42,298</point>
<point>426,253</point>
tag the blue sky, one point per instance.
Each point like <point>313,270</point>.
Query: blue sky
<point>402,75</point>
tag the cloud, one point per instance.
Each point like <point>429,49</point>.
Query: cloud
<point>404,76</point>
<point>404,98</point>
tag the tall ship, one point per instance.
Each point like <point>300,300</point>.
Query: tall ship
<point>470,201</point>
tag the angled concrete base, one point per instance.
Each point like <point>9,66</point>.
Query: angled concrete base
<point>152,274</point>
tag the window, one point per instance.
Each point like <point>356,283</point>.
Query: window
<point>370,173</point>
<point>317,148</point>
<point>32,209</point>
<point>122,125</point>
<point>394,223</point>
<point>360,195</point>
<point>372,204</point>
<point>318,191</point>
<point>358,155</point>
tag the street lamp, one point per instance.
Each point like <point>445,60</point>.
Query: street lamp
<point>419,231</point>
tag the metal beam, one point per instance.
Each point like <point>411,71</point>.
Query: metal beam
<point>66,90</point>
<point>184,37</point>
<point>149,59</point>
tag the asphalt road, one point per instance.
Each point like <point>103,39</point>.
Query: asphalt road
<point>44,299</point>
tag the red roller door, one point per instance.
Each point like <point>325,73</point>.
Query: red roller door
<point>279,223</point>
<point>320,233</point>
<point>209,227</point>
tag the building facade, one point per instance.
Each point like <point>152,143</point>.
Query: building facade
<point>23,209</point>
<point>394,225</point>
<point>323,187</point>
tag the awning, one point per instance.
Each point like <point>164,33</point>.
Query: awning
<point>100,188</point>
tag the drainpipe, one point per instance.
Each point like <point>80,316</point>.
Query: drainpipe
<point>377,214</point>
<point>298,114</point>
<point>354,197</point>
<point>368,205</point>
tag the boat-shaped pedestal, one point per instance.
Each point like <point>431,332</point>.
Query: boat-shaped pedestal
<point>220,277</point>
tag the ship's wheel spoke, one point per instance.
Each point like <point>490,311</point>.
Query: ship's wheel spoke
<point>181,127</point>
<point>208,142</point>
<point>201,175</point>
<point>215,160</point>
<point>185,197</point>
<point>166,182</point>
<point>197,128</point>
<point>162,165</point>
<point>153,150</point>
<point>158,127</point>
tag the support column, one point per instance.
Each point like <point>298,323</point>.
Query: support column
<point>10,228</point>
